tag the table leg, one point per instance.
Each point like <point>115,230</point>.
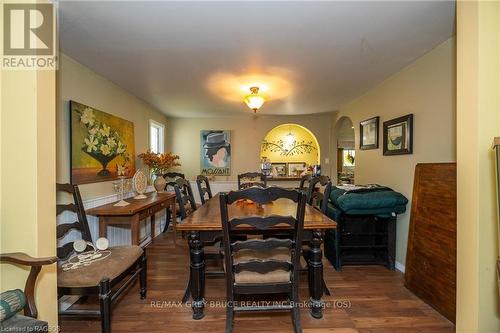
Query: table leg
<point>315,267</point>
<point>153,217</point>
<point>135,230</point>
<point>103,228</point>
<point>174,220</point>
<point>197,274</point>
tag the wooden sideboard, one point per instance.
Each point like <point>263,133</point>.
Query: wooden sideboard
<point>132,214</point>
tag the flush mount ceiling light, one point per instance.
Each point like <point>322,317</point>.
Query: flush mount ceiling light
<point>254,101</point>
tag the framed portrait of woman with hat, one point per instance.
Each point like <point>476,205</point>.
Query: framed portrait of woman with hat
<point>215,152</point>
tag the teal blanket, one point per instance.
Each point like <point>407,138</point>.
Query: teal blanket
<point>382,202</point>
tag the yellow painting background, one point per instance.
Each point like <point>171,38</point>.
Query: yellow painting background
<point>84,168</point>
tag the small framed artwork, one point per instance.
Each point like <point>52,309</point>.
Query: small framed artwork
<point>398,136</point>
<point>368,130</point>
<point>295,168</point>
<point>348,157</point>
<point>279,169</point>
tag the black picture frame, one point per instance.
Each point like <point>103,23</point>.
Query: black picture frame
<point>362,126</point>
<point>405,125</point>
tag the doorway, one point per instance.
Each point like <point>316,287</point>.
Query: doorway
<point>346,153</point>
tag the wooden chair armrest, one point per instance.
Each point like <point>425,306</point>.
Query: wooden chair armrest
<point>24,259</point>
<point>29,288</point>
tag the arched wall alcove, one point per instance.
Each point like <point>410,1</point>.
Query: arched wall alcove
<point>344,143</point>
<point>291,144</point>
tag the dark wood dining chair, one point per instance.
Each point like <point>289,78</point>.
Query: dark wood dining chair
<point>203,188</point>
<point>303,180</point>
<point>249,179</point>
<point>186,206</point>
<point>314,196</point>
<point>122,267</point>
<point>185,198</point>
<point>170,178</point>
<point>262,266</point>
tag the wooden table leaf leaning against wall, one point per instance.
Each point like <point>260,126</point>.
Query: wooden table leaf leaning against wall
<point>431,258</point>
<point>131,215</point>
<point>204,225</point>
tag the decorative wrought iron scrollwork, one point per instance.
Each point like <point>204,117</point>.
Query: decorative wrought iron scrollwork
<point>296,147</point>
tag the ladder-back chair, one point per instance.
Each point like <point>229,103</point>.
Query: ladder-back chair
<point>187,205</point>
<point>203,188</point>
<point>262,266</point>
<point>123,266</point>
<point>170,178</point>
<point>303,180</point>
<point>314,196</point>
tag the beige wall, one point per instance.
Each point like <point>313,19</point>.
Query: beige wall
<point>426,88</point>
<point>478,121</point>
<point>77,82</point>
<point>247,134</point>
<point>27,177</point>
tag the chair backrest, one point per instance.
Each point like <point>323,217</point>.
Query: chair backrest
<point>81,224</point>
<point>171,177</point>
<point>313,194</point>
<point>203,188</point>
<point>249,179</point>
<point>185,197</point>
<point>306,178</point>
<point>231,227</point>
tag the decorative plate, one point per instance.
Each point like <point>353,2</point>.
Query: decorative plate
<point>140,181</point>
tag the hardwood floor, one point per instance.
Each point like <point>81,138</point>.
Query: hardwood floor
<point>364,299</point>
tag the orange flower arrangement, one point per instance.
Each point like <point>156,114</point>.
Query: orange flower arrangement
<point>159,163</point>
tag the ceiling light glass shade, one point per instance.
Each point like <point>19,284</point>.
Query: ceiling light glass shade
<point>289,140</point>
<point>254,100</point>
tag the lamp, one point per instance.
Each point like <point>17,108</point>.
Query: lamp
<point>254,101</point>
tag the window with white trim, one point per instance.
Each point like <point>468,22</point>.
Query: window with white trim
<point>156,136</point>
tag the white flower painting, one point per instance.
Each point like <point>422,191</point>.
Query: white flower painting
<point>102,145</point>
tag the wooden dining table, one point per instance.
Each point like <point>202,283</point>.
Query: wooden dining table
<point>204,225</point>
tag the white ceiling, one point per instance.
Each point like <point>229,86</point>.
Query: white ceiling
<point>171,54</point>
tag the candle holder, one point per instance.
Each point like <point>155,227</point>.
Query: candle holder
<point>121,202</point>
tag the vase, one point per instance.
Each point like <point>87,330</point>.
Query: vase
<point>159,183</point>
<point>103,160</point>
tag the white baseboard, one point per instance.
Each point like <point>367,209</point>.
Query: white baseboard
<point>400,267</point>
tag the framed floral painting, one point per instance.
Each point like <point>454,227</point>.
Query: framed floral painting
<point>102,145</point>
